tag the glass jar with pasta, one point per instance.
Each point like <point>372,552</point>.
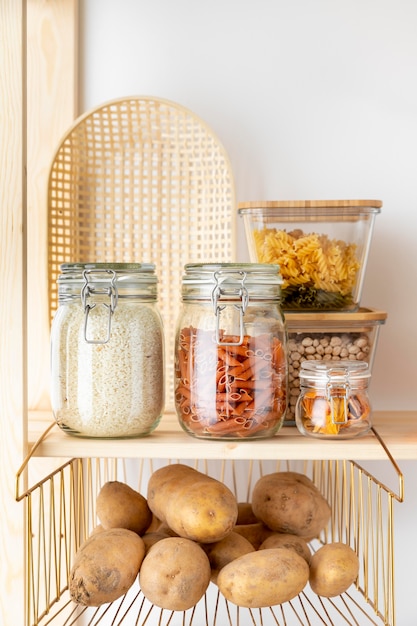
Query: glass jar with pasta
<point>230,352</point>
<point>321,247</point>
<point>333,400</point>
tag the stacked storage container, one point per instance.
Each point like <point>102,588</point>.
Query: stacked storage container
<point>322,250</point>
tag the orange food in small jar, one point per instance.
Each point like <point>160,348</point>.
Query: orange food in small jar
<point>333,400</point>
<point>230,354</point>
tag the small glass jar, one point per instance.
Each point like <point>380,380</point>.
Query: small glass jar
<point>230,352</point>
<point>333,400</point>
<point>107,351</point>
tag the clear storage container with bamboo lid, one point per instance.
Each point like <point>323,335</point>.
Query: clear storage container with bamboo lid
<point>329,337</point>
<point>321,247</point>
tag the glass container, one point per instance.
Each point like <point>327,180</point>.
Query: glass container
<point>334,400</point>
<point>107,351</point>
<point>321,247</point>
<point>329,337</point>
<point>230,352</point>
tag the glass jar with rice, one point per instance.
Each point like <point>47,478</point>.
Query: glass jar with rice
<point>107,350</point>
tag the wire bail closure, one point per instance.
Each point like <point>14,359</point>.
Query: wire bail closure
<point>230,284</point>
<point>337,388</point>
<point>89,291</point>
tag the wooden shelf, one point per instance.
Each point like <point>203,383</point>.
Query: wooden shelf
<point>398,430</point>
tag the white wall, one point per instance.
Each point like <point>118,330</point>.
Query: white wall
<point>312,100</point>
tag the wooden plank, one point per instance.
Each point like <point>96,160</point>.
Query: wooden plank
<point>12,318</point>
<point>40,98</point>
<point>52,89</point>
<point>397,428</point>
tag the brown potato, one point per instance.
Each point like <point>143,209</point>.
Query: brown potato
<point>333,568</point>
<point>220,553</point>
<point>288,502</point>
<point>263,578</point>
<point>105,566</point>
<point>175,574</point>
<point>164,528</point>
<point>245,514</point>
<point>120,506</point>
<point>154,525</point>
<point>97,529</point>
<point>192,504</point>
<point>285,540</point>
<point>149,539</point>
<point>255,533</point>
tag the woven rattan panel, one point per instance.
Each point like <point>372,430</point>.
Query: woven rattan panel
<point>141,180</point>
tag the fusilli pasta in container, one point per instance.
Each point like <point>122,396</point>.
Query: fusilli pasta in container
<point>321,248</point>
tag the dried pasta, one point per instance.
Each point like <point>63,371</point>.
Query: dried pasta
<point>316,270</point>
<point>319,416</point>
<point>230,390</point>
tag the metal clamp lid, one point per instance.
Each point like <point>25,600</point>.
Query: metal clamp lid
<point>88,291</point>
<point>229,285</point>
<point>337,393</point>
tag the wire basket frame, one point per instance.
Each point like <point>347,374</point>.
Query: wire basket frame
<point>61,514</point>
<point>141,179</point>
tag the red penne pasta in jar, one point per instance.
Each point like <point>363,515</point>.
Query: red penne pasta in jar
<point>230,352</point>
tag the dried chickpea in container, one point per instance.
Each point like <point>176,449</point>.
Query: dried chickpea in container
<point>333,400</point>
<point>329,337</point>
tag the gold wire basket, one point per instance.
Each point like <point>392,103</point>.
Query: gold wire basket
<point>144,179</point>
<point>60,514</point>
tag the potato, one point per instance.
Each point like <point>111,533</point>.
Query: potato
<point>289,502</point>
<point>120,506</point>
<point>175,574</point>
<point>97,529</point>
<point>149,539</point>
<point>220,553</point>
<point>333,568</point>
<point>162,531</point>
<point>154,525</point>
<point>164,528</point>
<point>194,505</point>
<point>263,578</point>
<point>245,514</point>
<point>285,540</point>
<point>105,566</point>
<point>255,533</point>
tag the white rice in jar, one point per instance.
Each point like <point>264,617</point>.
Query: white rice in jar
<point>113,389</point>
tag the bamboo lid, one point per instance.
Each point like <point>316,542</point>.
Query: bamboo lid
<point>319,204</point>
<point>364,314</point>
